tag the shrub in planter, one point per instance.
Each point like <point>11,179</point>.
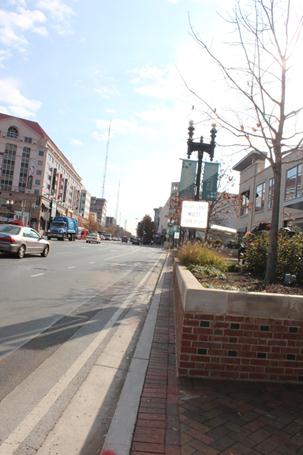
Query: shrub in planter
<point>256,253</point>
<point>194,253</point>
<point>290,255</point>
<point>206,271</point>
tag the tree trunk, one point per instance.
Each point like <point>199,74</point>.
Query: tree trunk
<point>271,264</point>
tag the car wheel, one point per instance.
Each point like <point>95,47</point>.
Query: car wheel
<point>21,252</point>
<point>45,252</point>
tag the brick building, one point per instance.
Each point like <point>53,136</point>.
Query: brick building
<point>37,181</point>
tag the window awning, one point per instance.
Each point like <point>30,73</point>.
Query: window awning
<point>296,203</point>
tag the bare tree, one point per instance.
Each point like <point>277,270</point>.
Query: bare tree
<point>268,32</point>
<point>225,205</point>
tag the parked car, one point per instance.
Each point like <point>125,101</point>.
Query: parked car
<point>22,240</point>
<point>107,236</point>
<point>93,237</point>
<point>124,239</point>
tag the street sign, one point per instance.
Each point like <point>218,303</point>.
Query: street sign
<point>194,214</point>
<point>176,235</point>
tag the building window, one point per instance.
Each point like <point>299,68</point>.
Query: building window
<point>12,132</point>
<point>271,186</point>
<point>260,193</point>
<point>244,203</point>
<point>37,182</point>
<point>293,185</point>
<point>38,172</point>
<point>24,168</point>
<point>40,163</point>
<point>8,166</point>
<point>30,182</point>
<point>28,139</point>
<point>41,153</point>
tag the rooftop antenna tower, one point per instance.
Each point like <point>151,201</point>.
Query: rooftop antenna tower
<point>117,202</point>
<point>106,158</point>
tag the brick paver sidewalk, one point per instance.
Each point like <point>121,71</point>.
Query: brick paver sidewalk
<point>232,418</point>
<point>157,428</point>
<point>209,417</point>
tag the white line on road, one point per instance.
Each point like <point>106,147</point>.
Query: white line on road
<point>92,262</point>
<point>71,267</point>
<point>27,425</point>
<point>37,274</point>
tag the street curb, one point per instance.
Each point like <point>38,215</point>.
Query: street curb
<point>120,434</point>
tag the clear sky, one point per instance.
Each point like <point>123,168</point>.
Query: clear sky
<point>74,65</point>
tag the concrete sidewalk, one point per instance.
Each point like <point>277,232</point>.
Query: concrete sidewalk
<point>160,414</point>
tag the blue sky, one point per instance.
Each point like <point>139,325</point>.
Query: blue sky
<point>74,65</point>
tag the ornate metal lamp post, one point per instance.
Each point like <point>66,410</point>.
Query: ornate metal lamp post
<point>200,147</point>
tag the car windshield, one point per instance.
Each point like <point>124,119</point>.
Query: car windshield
<point>59,224</point>
<point>8,229</point>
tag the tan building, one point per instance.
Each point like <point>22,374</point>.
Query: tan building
<point>257,188</point>
<point>98,205</point>
<point>37,181</point>
<point>84,206</point>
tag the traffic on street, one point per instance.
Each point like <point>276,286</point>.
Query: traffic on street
<point>69,324</point>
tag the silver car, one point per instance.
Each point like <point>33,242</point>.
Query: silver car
<point>93,237</point>
<point>21,240</point>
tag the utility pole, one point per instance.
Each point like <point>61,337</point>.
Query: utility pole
<point>106,159</point>
<point>117,202</point>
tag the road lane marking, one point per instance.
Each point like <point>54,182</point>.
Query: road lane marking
<point>71,267</point>
<point>28,424</point>
<point>37,274</point>
<point>92,262</point>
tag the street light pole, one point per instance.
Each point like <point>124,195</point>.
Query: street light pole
<point>9,206</point>
<point>200,147</point>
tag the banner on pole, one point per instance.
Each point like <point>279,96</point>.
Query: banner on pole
<point>210,181</point>
<point>187,181</point>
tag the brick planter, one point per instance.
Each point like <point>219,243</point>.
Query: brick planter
<point>237,335</point>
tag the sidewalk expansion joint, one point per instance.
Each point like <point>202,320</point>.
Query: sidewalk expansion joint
<point>110,367</point>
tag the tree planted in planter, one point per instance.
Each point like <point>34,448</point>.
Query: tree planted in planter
<point>268,32</point>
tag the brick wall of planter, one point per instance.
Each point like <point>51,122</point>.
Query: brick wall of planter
<point>238,347</point>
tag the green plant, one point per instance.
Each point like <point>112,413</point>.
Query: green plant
<point>256,254</point>
<point>234,267</point>
<point>206,271</point>
<point>193,253</point>
<point>290,256</point>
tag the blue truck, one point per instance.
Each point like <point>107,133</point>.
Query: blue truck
<point>63,227</point>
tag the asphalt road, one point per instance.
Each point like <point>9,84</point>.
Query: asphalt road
<point>69,324</point>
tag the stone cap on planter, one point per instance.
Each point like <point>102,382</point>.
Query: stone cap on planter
<point>197,299</point>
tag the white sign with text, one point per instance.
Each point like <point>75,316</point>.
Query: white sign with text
<point>194,214</point>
